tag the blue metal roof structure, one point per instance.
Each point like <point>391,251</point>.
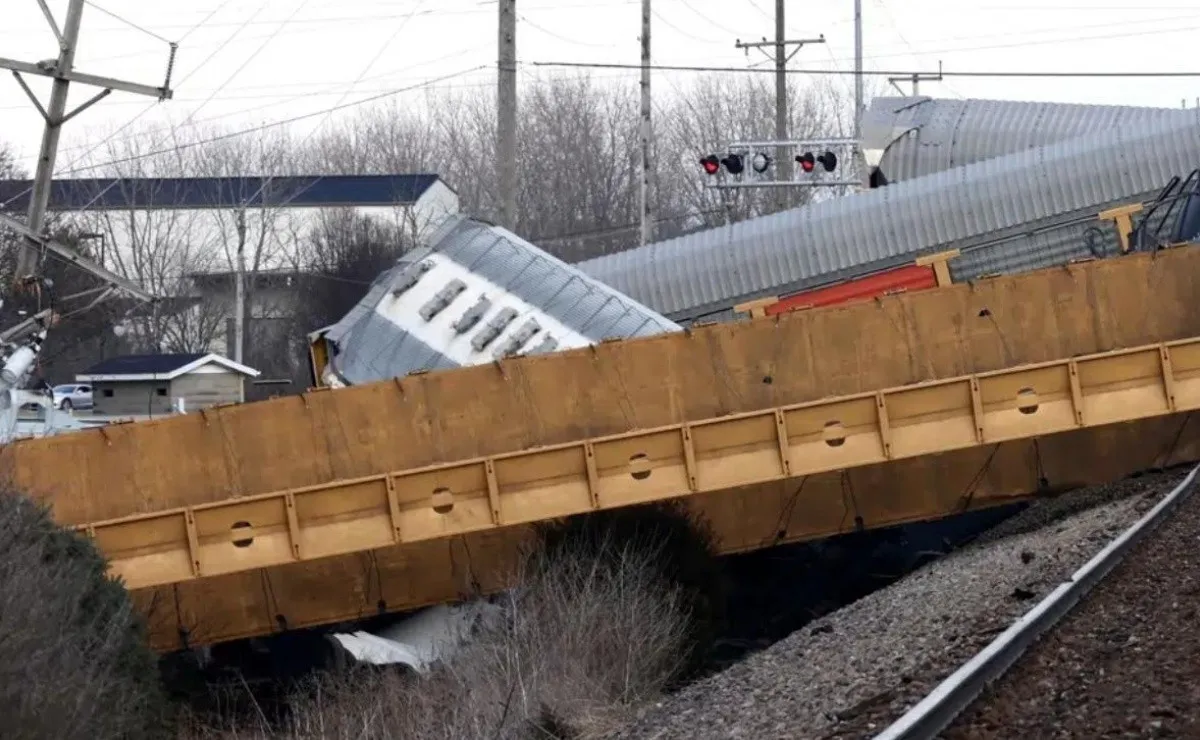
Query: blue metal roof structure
<point>475,294</point>
<point>1007,214</point>
<point>295,191</point>
<point>918,136</point>
<point>142,364</point>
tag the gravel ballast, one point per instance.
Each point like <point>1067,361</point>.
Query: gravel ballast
<point>1122,664</point>
<point>850,673</point>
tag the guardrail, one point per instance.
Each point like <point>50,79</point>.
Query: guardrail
<point>956,693</point>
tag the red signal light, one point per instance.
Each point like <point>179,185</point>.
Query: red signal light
<point>711,164</point>
<point>808,162</point>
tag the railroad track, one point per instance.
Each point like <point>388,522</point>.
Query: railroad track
<point>1121,664</point>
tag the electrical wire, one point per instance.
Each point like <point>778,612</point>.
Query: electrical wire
<point>367,68</point>
<point>127,22</point>
<point>282,122</point>
<point>874,73</point>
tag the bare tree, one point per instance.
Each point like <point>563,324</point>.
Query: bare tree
<point>158,249</point>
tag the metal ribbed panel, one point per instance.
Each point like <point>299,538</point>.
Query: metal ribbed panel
<point>990,206</point>
<point>519,299</point>
<point>920,136</point>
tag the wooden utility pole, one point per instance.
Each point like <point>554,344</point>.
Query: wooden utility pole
<point>62,71</point>
<point>647,217</point>
<point>506,114</point>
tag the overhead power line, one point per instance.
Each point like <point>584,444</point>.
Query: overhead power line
<point>873,73</point>
<point>282,122</point>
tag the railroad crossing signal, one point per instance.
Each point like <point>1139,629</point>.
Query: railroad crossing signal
<point>808,162</point>
<point>756,174</point>
<point>735,164</point>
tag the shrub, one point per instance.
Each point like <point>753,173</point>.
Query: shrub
<point>74,662</point>
<point>611,610</point>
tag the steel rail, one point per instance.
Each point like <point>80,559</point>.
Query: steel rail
<point>961,689</point>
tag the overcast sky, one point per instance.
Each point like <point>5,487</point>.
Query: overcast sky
<point>256,61</point>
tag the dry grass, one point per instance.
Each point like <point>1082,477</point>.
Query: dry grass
<point>611,611</point>
<point>73,661</point>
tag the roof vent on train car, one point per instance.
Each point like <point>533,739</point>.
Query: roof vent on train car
<point>548,344</point>
<point>493,328</point>
<point>410,276</point>
<point>518,339</point>
<point>443,298</point>
<point>472,315</point>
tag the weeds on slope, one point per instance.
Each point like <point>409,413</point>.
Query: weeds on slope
<point>611,611</point>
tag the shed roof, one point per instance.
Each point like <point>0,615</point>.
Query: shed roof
<point>132,368</point>
<point>292,191</point>
<point>1012,213</point>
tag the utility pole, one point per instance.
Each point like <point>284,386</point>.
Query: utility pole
<point>239,298</point>
<point>506,114</point>
<point>62,71</point>
<point>860,160</point>
<point>647,215</point>
<point>783,158</point>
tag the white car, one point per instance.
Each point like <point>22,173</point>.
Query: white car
<point>72,396</point>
